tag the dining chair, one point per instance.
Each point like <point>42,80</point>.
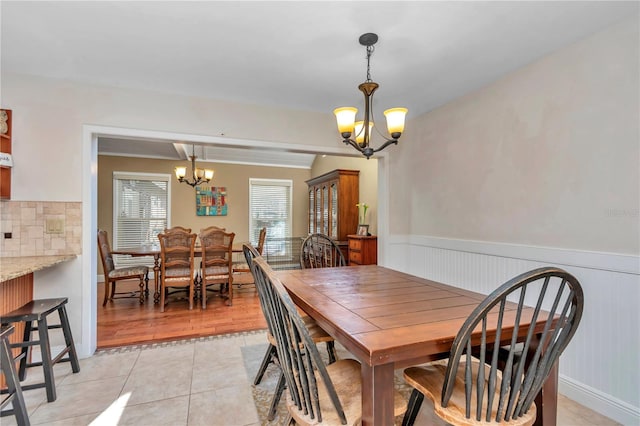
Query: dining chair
<point>316,393</point>
<point>217,262</point>
<point>241,272</point>
<point>317,334</point>
<point>320,251</point>
<point>113,274</point>
<point>490,379</point>
<point>176,264</point>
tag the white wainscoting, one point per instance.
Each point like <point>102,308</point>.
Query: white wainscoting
<point>601,366</point>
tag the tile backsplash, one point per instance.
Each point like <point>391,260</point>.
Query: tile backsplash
<point>40,228</point>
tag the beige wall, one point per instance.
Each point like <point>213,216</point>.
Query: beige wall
<point>48,119</point>
<point>368,179</point>
<point>547,156</point>
<point>234,177</point>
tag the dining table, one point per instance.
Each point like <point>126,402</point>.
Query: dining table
<point>389,320</point>
<point>154,250</point>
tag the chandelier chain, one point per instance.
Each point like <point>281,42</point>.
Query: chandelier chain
<point>370,50</point>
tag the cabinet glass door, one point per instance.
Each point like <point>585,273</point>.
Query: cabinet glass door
<point>325,209</point>
<point>318,210</point>
<point>334,210</point>
<point>311,226</point>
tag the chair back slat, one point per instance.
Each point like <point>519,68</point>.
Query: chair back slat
<point>549,295</point>
<point>298,355</point>
<point>320,251</point>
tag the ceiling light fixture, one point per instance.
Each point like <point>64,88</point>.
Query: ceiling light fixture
<point>198,175</point>
<point>346,116</point>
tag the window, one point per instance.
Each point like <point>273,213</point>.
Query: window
<point>140,212</point>
<point>270,207</point>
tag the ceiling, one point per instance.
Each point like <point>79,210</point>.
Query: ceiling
<point>294,54</point>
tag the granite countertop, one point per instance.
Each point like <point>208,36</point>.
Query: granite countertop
<point>14,267</point>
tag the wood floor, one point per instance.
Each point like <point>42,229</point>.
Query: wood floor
<point>125,322</point>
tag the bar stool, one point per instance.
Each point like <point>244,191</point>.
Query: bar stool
<point>13,384</point>
<point>38,310</point>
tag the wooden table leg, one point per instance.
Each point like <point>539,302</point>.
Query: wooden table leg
<point>156,272</point>
<point>377,395</point>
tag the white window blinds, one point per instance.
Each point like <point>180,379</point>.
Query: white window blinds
<point>270,206</point>
<point>140,212</point>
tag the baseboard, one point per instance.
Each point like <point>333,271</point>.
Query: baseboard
<point>615,409</point>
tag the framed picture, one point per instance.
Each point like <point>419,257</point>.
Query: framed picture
<point>363,230</point>
<point>211,200</point>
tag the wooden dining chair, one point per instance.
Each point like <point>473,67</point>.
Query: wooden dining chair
<point>217,262</point>
<point>493,380</point>
<point>316,393</point>
<point>320,251</point>
<point>317,334</point>
<point>113,274</point>
<point>176,264</point>
<point>241,272</point>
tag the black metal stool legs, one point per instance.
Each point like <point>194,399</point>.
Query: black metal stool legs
<point>13,383</point>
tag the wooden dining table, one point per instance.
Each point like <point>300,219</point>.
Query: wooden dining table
<point>390,320</point>
<point>154,250</point>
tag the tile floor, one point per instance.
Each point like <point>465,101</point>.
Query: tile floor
<point>191,382</point>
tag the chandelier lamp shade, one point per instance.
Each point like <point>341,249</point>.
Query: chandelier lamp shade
<point>198,175</point>
<point>358,133</point>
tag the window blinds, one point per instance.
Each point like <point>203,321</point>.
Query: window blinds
<point>140,211</point>
<point>270,206</point>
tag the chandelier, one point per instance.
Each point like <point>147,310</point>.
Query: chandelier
<point>198,175</point>
<point>346,116</point>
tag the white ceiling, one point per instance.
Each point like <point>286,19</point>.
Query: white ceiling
<point>296,54</point>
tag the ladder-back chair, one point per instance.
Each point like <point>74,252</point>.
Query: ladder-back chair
<point>176,264</point>
<point>217,262</point>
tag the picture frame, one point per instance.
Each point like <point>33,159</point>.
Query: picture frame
<point>363,230</point>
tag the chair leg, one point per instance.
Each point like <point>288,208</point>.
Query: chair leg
<point>113,289</point>
<point>106,292</point>
<point>25,351</point>
<point>230,293</point>
<point>163,290</point>
<point>415,401</point>
<point>331,350</point>
<point>68,339</point>
<point>268,357</point>
<point>142,293</point>
<point>47,365</point>
<point>203,294</point>
<point>13,385</point>
<point>276,397</point>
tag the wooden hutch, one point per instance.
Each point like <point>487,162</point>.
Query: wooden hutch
<point>332,205</point>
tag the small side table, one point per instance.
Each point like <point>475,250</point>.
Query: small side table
<point>363,250</point>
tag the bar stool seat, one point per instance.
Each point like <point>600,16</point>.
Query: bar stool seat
<point>14,390</point>
<point>38,310</point>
